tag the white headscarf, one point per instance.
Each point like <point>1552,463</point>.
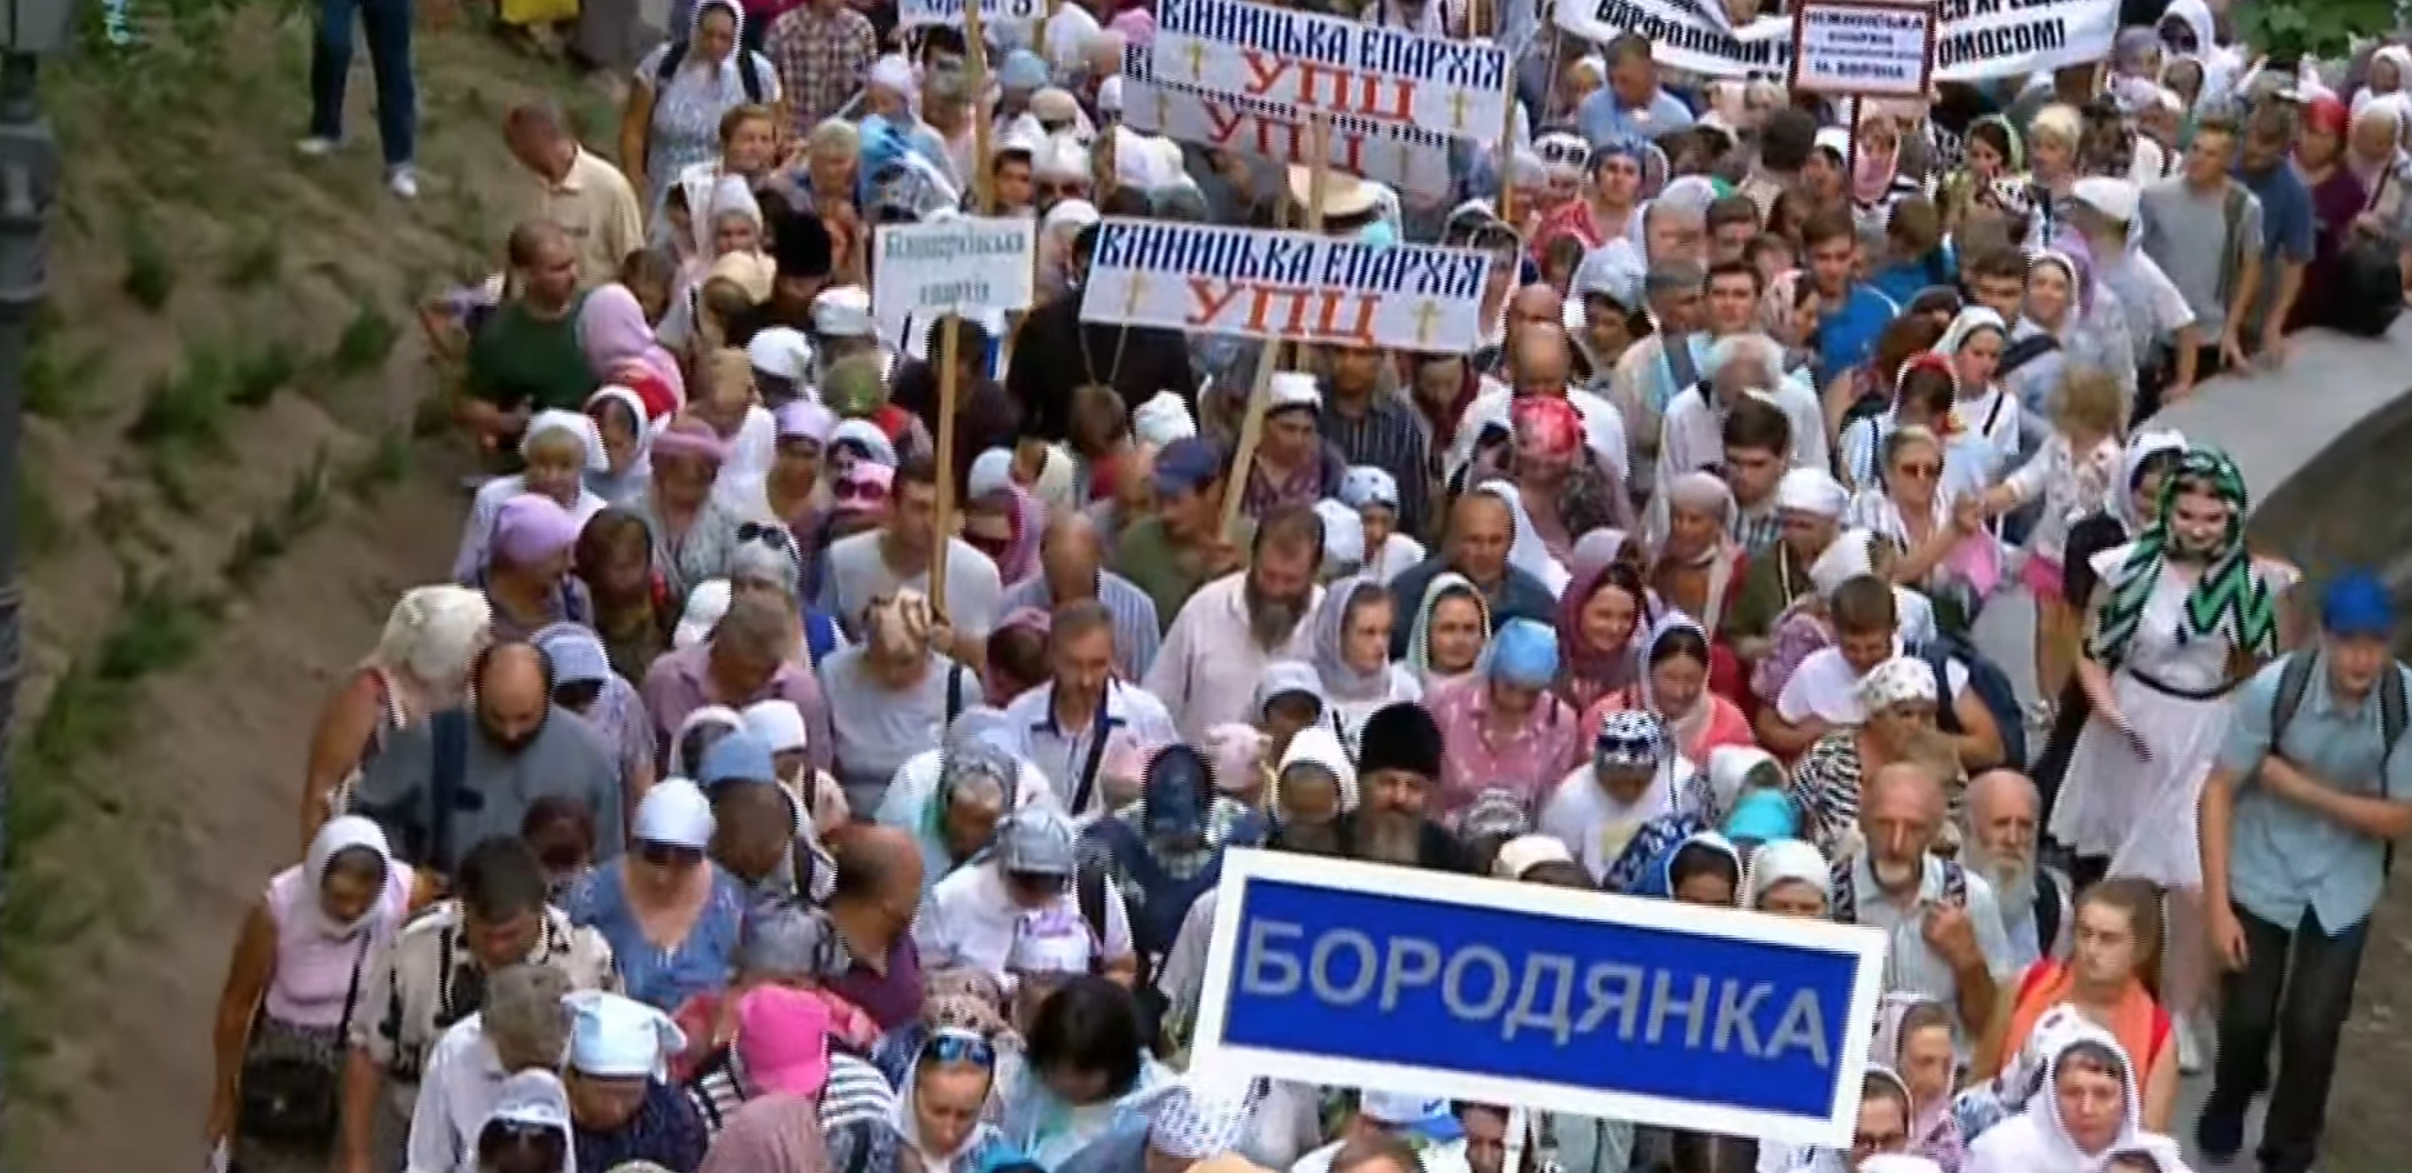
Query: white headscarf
<point>1527,552</point>
<point>339,835</point>
<point>1900,679</point>
<point>578,425</point>
<point>1780,860</point>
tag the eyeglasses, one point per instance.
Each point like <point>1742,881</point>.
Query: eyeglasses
<point>1921,470</point>
<point>958,1046</point>
<point>662,855</point>
<point>869,492</point>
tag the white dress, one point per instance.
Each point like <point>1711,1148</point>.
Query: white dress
<point>2142,814</point>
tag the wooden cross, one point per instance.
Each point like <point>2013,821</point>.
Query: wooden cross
<point>1457,110</point>
<point>1197,60</point>
<point>1425,312</point>
<point>1135,293</point>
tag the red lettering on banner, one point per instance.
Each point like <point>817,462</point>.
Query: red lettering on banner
<point>1326,87</point>
<point>1223,122</point>
<point>1264,71</point>
<point>1304,315</point>
<point>1349,151</point>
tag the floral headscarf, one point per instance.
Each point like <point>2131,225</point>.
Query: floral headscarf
<point>2228,602</point>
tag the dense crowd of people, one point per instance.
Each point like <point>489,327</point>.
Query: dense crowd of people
<point>761,795</point>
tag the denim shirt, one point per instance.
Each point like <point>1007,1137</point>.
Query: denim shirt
<point>2284,858</point>
<point>1604,120</point>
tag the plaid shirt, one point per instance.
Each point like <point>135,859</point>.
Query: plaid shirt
<point>1385,437</point>
<point>822,60</point>
<point>1758,533</point>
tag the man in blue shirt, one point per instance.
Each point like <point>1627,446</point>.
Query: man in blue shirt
<point>2297,816</point>
<point>2288,222</point>
<point>1851,313</point>
<point>1631,106</point>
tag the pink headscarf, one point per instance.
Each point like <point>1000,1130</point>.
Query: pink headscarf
<point>776,1133</point>
<point>1020,560</point>
<point>530,528</point>
<point>613,334</point>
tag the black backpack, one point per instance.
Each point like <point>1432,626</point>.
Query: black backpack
<point>748,72</point>
<point>1991,685</point>
<point>2022,352</point>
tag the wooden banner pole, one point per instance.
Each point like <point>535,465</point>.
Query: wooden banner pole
<point>975,44</point>
<point>1252,427</point>
<point>942,523</point>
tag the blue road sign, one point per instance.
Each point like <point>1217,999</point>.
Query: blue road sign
<point>1364,975</point>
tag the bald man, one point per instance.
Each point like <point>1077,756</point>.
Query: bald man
<point>1072,570</point>
<point>1481,527</point>
<point>504,386</point>
<point>878,891</point>
<point>1942,919</point>
<point>2003,814</point>
<point>587,196</point>
<point>462,776</point>
<point>1541,364</point>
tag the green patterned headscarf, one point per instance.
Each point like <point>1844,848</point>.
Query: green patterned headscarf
<point>2229,602</point>
<point>853,387</point>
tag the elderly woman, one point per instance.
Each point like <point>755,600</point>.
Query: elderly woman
<point>1913,509</point>
<point>622,351</point>
<point>1633,776</point>
<point>1900,696</point>
<point>1166,850</point>
<point>1698,568</point>
<point>420,667</point>
<point>1352,653</point>
<point>624,427</point>
<point>2053,138</point>
<point>683,89</point>
<point>1501,727</point>
<point>671,916</point>
<point>621,1108</point>
<point>292,989</point>
<point>951,798</point>
<point>526,578</point>
<point>892,695</point>
<point>1788,877</point>
<point>558,449</point>
<point>693,530</point>
<point>792,493</point>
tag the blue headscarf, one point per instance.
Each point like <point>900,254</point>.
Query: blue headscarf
<point>1522,652</point>
<point>1659,880</point>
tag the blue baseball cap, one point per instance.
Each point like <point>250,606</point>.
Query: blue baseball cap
<point>2357,604</point>
<point>1187,465</point>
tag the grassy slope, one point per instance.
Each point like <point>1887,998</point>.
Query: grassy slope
<point>230,359</point>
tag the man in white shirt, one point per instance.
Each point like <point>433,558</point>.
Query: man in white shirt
<point>1384,1122</point>
<point>1823,692</point>
<point>970,917</point>
<point>1542,361</point>
<point>1065,724</point>
<point>1207,671</point>
<point>524,1025</point>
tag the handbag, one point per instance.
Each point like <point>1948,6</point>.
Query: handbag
<point>289,1101</point>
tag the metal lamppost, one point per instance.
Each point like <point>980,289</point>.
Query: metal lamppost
<point>29,184</point>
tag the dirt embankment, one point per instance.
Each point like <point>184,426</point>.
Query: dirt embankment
<point>223,496</point>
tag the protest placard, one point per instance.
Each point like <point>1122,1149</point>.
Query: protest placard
<point>1871,49</point>
<point>1459,88</point>
<point>1974,39</point>
<point>1406,156</point>
<point>1360,975</point>
<point>1292,286</point>
<point>952,266</point>
<point>913,13</point>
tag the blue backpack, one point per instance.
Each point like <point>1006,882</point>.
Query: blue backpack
<point>1991,685</point>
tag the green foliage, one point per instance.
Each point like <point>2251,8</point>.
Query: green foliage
<point>258,377</point>
<point>366,341</point>
<point>150,278</point>
<point>187,410</point>
<point>58,386</point>
<point>257,263</point>
<point>383,467</point>
<point>2291,29</point>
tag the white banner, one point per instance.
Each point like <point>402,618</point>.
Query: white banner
<point>1405,156</point>
<point>964,265</point>
<point>1974,39</point>
<point>910,13</point>
<point>1199,278</point>
<point>1337,66</point>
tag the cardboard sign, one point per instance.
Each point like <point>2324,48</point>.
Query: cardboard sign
<point>1360,975</point>
<point>1862,47</point>
<point>956,266</point>
<point>1974,39</point>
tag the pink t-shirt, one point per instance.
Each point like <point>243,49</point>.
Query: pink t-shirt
<point>314,966</point>
<point>1528,760</point>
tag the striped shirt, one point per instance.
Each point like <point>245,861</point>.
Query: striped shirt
<point>856,1104</point>
<point>1137,634</point>
<point>1759,532</point>
<point>1385,437</point>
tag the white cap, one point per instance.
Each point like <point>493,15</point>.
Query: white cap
<point>1400,1109</point>
<point>843,311</point>
<point>781,351</point>
<point>893,72</point>
<point>1292,389</point>
<point>2116,199</point>
<point>1343,533</point>
<point>1161,420</point>
<point>1061,159</point>
<point>779,724</point>
<point>1022,136</point>
<point>705,605</point>
<point>1109,95</point>
<point>677,813</point>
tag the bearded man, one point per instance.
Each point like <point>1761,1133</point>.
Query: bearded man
<point>1207,671</point>
<point>1398,773</point>
<point>2004,812</point>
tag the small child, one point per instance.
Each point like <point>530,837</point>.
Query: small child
<point>1374,494</point>
<point>2073,476</point>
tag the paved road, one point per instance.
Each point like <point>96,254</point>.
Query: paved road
<point>2005,631</point>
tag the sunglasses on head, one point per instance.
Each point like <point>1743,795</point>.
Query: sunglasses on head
<point>1568,153</point>
<point>766,533</point>
<point>955,1046</point>
<point>662,855</point>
